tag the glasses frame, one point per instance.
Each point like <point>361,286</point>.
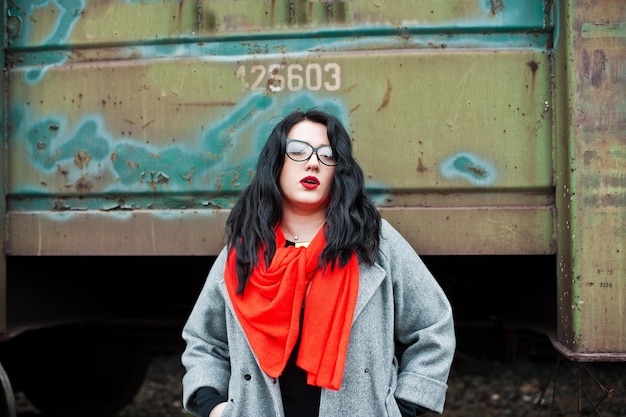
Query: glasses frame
<point>313,151</point>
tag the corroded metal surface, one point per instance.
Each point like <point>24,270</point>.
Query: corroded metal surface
<point>591,178</point>
<point>81,22</point>
<point>160,120</point>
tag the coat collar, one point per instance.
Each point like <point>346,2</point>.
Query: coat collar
<point>370,278</point>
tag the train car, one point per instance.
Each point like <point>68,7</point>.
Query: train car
<point>491,134</point>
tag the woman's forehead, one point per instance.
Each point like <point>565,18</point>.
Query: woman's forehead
<point>312,132</point>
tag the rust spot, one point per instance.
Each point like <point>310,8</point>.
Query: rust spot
<point>355,108</point>
<point>589,156</point>
<point>534,66</point>
<point>59,205</point>
<point>41,146</point>
<point>597,67</point>
<point>83,185</point>
<point>162,178</point>
<point>53,127</point>
<point>387,96</point>
<point>81,159</point>
<point>148,123</point>
<point>189,175</point>
<point>476,170</point>
<point>420,166</point>
<point>586,62</point>
<point>495,7</point>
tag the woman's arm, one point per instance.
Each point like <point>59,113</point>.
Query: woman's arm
<point>423,324</point>
<point>206,357</point>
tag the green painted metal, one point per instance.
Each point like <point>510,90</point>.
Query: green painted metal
<point>82,22</point>
<point>591,179</point>
<point>136,129</point>
<point>3,176</point>
<point>158,118</point>
<point>134,125</point>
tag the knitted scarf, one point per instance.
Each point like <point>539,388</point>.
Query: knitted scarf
<point>270,306</point>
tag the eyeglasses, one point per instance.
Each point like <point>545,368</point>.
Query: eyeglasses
<point>300,151</point>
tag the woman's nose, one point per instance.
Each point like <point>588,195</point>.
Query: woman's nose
<point>313,161</point>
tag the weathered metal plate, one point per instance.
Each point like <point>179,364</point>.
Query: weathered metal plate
<point>433,231</point>
<point>591,180</point>
<point>184,134</point>
<point>79,22</point>
<point>178,126</point>
<point>158,110</point>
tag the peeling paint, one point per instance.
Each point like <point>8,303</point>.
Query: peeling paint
<point>469,167</point>
<point>222,153</point>
<point>58,34</point>
<point>496,7</point>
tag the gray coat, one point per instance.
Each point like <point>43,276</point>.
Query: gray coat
<point>398,300</point>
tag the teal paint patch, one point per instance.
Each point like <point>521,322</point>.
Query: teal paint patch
<point>179,165</point>
<point>504,11</point>
<point>207,171</point>
<point>69,13</point>
<point>83,146</point>
<point>35,63</point>
<point>470,168</point>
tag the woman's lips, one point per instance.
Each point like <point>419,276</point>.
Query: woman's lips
<point>310,182</point>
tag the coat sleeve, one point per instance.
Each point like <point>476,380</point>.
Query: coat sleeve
<point>206,357</point>
<point>423,324</point>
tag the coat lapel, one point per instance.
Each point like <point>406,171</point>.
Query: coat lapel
<point>370,278</point>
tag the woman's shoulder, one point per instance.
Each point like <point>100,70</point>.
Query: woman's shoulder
<point>388,233</point>
<point>216,273</point>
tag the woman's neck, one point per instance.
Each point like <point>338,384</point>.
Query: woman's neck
<point>301,228</point>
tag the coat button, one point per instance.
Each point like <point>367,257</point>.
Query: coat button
<point>367,370</point>
<point>274,380</point>
<point>247,377</point>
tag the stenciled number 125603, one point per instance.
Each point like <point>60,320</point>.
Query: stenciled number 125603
<point>293,77</point>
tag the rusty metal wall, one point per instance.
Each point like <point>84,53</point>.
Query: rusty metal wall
<point>591,179</point>
<point>133,125</point>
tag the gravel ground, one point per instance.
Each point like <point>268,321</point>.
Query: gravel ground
<point>476,389</point>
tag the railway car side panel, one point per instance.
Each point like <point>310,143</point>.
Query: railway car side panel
<point>591,179</point>
<point>130,152</point>
<point>139,144</point>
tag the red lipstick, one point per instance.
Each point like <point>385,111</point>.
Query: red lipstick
<point>310,182</point>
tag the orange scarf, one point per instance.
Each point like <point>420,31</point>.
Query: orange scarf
<point>269,310</point>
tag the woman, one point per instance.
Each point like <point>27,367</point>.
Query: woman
<point>303,310</point>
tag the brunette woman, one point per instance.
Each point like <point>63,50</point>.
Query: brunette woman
<point>302,312</point>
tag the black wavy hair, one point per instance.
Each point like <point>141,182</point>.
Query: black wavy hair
<point>353,220</point>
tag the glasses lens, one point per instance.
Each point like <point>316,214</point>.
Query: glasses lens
<point>299,151</point>
<point>325,154</point>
